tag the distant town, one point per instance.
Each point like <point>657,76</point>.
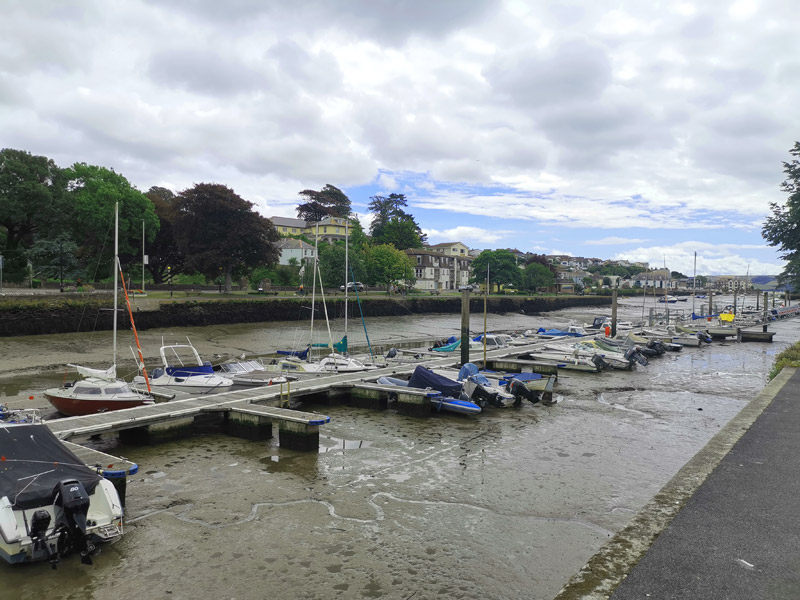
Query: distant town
<point>448,265</point>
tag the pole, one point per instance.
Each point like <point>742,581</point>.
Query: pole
<point>116,267</point>
<point>694,282</point>
<point>143,256</point>
<point>766,299</point>
<point>346,273</point>
<point>465,327</point>
<point>614,311</point>
<point>485,307</point>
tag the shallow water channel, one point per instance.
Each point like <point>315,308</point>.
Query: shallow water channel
<point>509,504</point>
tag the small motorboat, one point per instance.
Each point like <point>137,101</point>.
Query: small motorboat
<point>99,391</point>
<point>451,399</point>
<point>250,373</point>
<point>51,504</point>
<point>196,377</point>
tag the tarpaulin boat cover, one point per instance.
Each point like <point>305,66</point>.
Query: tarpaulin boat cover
<point>33,461</point>
<point>425,378</point>
<point>302,355</point>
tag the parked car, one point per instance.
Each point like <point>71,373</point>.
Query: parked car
<point>353,286</point>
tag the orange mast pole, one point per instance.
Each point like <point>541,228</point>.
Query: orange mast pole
<point>133,326</point>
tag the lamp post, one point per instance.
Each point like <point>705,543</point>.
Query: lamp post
<point>61,263</point>
<point>169,279</point>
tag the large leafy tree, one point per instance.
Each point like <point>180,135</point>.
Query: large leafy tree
<point>93,191</point>
<point>330,201</point>
<point>502,268</point>
<point>162,249</point>
<point>389,214</point>
<point>386,265</point>
<point>536,275</point>
<point>401,233</point>
<point>31,204</point>
<point>219,234</point>
<point>782,229</point>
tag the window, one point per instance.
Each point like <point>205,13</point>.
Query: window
<point>418,272</point>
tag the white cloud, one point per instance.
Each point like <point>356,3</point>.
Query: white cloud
<point>465,234</point>
<point>613,241</point>
<point>578,117</point>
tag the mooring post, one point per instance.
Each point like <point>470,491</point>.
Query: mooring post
<point>614,312</point>
<point>766,313</point>
<point>465,326</point>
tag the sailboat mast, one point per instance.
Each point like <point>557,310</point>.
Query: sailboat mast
<point>694,282</point>
<point>314,281</point>
<point>346,271</point>
<point>116,282</point>
<point>485,299</point>
<point>143,259</point>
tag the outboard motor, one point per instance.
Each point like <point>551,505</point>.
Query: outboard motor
<point>656,346</point>
<point>600,363</point>
<point>521,391</point>
<point>480,395</point>
<point>40,521</point>
<point>704,337</point>
<point>632,355</point>
<point>72,499</point>
<point>392,353</point>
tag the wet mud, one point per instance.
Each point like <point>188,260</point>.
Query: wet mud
<point>506,505</point>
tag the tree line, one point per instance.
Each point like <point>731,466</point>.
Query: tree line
<point>57,223</point>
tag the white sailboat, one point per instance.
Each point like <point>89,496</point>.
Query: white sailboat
<point>100,390</point>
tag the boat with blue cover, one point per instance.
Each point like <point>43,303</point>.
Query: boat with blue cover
<point>452,399</point>
<point>194,376</point>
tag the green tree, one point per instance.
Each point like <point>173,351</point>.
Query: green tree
<point>677,275</point>
<point>502,268</point>
<point>536,275</point>
<point>401,233</point>
<point>330,201</point>
<point>93,191</point>
<point>386,265</point>
<point>162,249</point>
<point>31,205</point>
<point>388,209</point>
<point>218,232</point>
<point>782,228</point>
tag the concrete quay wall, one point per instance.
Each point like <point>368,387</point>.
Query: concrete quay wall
<point>51,318</point>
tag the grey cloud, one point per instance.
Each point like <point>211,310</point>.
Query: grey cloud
<point>204,70</point>
<point>571,71</point>
<point>318,72</point>
<point>385,21</point>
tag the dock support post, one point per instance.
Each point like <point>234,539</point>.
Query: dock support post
<point>465,326</point>
<point>298,436</point>
<point>614,311</point>
<point>766,311</point>
<point>413,406</point>
<point>249,427</point>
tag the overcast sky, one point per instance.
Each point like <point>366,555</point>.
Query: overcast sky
<point>612,129</point>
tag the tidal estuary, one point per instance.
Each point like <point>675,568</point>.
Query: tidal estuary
<point>506,505</point>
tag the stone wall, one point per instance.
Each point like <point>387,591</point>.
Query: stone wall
<point>43,318</point>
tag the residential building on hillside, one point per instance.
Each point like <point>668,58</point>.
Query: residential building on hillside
<point>435,270</point>
<point>329,229</point>
<point>292,248</point>
<point>288,226</point>
<point>451,249</point>
<point>660,279</point>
